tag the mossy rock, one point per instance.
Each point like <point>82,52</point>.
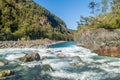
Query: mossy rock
<point>5,73</point>
<point>46,68</point>
<point>77,64</point>
<point>3,62</point>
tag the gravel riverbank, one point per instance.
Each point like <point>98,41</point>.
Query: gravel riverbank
<point>27,44</point>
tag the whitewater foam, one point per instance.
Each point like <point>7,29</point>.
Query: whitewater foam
<point>13,56</point>
<point>61,65</point>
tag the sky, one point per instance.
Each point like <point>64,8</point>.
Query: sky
<point>67,10</point>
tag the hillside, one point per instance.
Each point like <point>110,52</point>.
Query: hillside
<point>24,19</point>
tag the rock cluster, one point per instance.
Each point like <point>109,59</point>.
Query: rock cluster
<point>12,71</point>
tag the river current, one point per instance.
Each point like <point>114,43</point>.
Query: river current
<point>69,62</point>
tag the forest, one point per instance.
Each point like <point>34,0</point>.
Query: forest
<point>26,20</point>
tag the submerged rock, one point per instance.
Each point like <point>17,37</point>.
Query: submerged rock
<point>44,57</point>
<point>77,58</point>
<point>49,51</point>
<point>77,64</point>
<point>30,57</point>
<point>58,51</point>
<point>47,67</point>
<point>5,73</point>
<point>60,55</point>
<point>3,62</point>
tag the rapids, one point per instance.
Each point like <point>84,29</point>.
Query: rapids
<point>69,62</point>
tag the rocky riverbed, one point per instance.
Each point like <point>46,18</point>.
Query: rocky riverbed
<point>28,44</point>
<point>13,70</point>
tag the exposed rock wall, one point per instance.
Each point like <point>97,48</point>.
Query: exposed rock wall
<point>102,41</point>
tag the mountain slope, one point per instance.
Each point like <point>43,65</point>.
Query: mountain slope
<point>25,19</point>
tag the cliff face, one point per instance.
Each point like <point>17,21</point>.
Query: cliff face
<point>102,41</point>
<point>26,19</point>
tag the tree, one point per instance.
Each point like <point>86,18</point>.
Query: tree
<point>92,6</point>
<point>115,6</point>
<point>104,6</point>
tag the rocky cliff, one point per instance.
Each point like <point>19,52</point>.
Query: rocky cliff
<point>102,41</point>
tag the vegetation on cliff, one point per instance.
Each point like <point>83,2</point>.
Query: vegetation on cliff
<point>101,33</point>
<point>106,14</point>
<point>24,19</point>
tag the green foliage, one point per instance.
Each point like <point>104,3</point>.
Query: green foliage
<point>109,20</point>
<point>115,6</point>
<point>24,20</point>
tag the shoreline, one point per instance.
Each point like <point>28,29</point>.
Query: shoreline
<point>42,43</point>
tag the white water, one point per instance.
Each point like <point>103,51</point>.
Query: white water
<point>92,66</point>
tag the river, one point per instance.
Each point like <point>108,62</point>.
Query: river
<point>68,61</point>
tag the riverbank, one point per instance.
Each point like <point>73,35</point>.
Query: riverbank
<point>42,43</point>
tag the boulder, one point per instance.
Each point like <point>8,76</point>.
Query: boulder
<point>46,68</point>
<point>30,57</point>
<point>60,55</point>
<point>5,73</point>
<point>77,58</point>
<point>44,57</point>
<point>109,50</point>
<point>102,41</point>
<point>49,51</point>
<point>3,62</point>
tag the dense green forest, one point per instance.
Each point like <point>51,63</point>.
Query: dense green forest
<point>24,19</point>
<point>104,14</point>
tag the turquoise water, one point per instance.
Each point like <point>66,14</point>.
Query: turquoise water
<point>68,61</point>
<point>64,44</point>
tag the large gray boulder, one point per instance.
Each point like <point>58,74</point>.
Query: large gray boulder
<point>30,57</point>
<point>102,41</point>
